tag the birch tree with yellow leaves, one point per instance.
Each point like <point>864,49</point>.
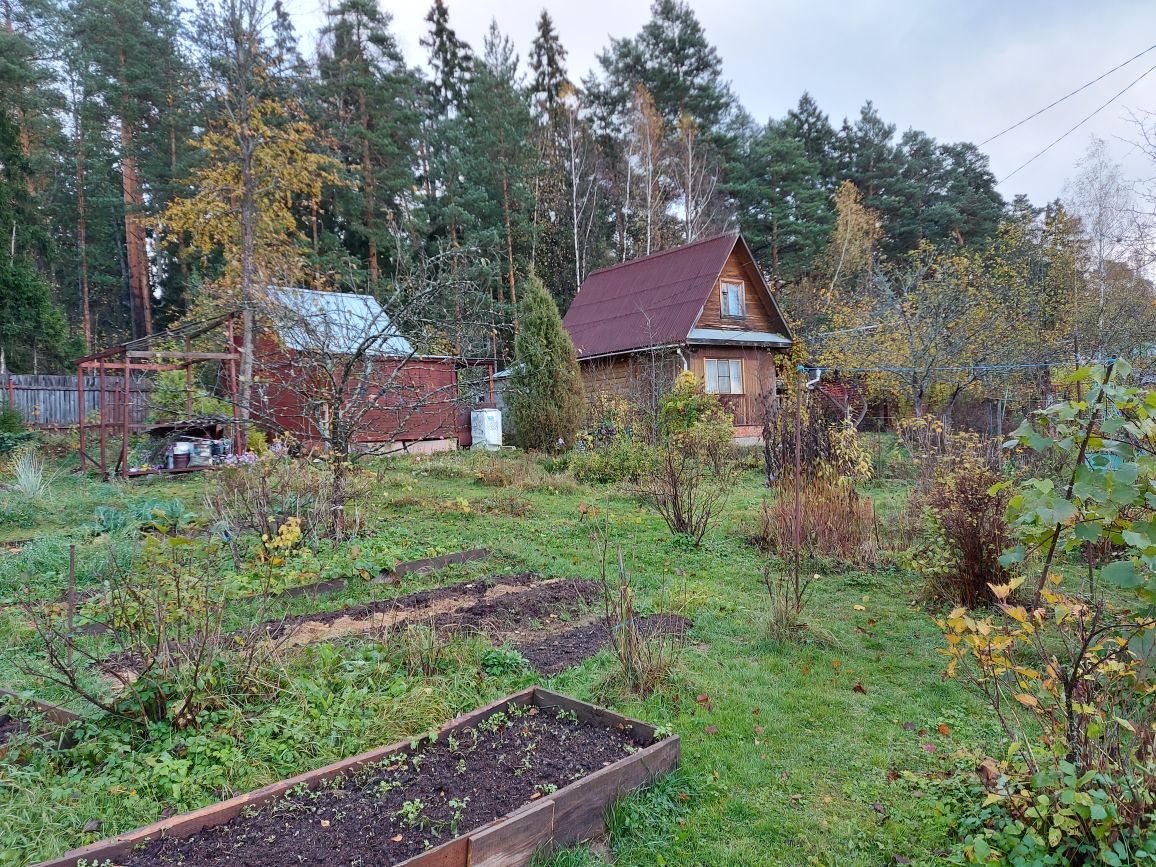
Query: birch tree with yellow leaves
<point>260,161</point>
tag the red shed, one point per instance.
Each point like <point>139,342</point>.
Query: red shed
<point>332,370</point>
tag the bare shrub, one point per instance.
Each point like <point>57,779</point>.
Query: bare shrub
<point>693,471</point>
<point>835,521</point>
<point>959,556</point>
<point>645,659</point>
<point>259,497</point>
<point>173,657</point>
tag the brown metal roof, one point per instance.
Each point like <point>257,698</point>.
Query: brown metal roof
<point>647,302</point>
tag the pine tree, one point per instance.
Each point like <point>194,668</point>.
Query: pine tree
<point>369,103</point>
<point>782,201</point>
<point>450,58</point>
<point>673,58</point>
<point>547,397</point>
<point>128,50</point>
<point>548,65</point>
<point>497,162</point>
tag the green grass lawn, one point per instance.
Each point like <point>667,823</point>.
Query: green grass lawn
<point>836,754</point>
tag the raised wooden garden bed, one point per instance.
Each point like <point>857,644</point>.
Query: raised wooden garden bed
<point>557,761</point>
<point>13,724</point>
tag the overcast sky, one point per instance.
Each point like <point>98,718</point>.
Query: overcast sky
<point>960,70</point>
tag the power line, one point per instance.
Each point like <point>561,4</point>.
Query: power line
<point>1082,87</point>
<point>1080,124</point>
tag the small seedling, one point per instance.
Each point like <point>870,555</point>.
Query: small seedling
<point>411,812</point>
<point>461,766</point>
<point>568,716</point>
<point>458,805</point>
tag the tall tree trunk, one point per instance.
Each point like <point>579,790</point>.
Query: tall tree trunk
<point>140,300</point>
<point>509,240</point>
<point>184,265</point>
<point>25,138</point>
<point>82,229</point>
<point>370,191</point>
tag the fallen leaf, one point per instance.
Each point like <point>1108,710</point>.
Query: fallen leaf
<point>944,729</point>
<point>892,775</point>
<point>755,711</point>
<point>711,730</point>
<point>796,797</point>
<point>858,607</point>
<point>703,698</point>
<point>929,748</point>
<point>901,859</point>
<point>92,826</point>
<point>835,663</point>
<point>921,732</point>
<point>858,687</point>
<point>535,796</point>
<point>826,799</point>
<point>758,730</point>
<point>396,838</point>
<point>806,669</point>
<point>871,621</point>
<point>878,808</point>
<point>324,823</point>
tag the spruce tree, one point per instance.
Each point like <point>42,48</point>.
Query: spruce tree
<point>547,398</point>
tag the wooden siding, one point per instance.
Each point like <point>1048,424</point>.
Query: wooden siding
<point>417,399</point>
<point>760,316</point>
<point>641,378</point>
<point>50,401</point>
<point>759,378</point>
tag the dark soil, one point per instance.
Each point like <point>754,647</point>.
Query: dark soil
<point>566,649</point>
<point>383,814</point>
<point>523,610</point>
<point>10,726</point>
<point>509,611</point>
<point>421,599</point>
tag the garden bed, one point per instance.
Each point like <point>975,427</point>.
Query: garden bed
<point>442,801</point>
<point>565,649</point>
<point>497,606</point>
<point>13,724</point>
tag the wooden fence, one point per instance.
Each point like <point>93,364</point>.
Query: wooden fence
<point>49,401</point>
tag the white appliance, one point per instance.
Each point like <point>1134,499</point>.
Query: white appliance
<point>486,429</point>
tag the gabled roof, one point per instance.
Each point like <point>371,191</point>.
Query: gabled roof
<point>652,301</point>
<point>307,320</point>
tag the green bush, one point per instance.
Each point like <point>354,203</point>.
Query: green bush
<point>11,421</point>
<point>623,459</point>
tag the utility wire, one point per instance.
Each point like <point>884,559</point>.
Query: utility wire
<point>1082,87</point>
<point>1080,124</point>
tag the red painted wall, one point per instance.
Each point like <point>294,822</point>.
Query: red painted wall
<point>414,399</point>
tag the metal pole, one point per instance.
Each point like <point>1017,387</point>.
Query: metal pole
<point>188,381</point>
<point>103,423</point>
<point>798,480</point>
<point>127,416</point>
<point>80,411</point>
<point>237,444</point>
<point>71,598</point>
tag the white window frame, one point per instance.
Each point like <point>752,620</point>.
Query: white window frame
<point>731,379</point>
<point>727,288</point>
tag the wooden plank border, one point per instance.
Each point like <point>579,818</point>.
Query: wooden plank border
<point>571,814</point>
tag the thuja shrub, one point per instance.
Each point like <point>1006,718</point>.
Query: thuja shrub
<point>966,530</point>
<point>835,521</point>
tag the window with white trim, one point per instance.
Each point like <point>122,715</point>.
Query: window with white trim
<point>732,299</point>
<point>724,375</point>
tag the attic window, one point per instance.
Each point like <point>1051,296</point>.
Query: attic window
<point>733,298</point>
